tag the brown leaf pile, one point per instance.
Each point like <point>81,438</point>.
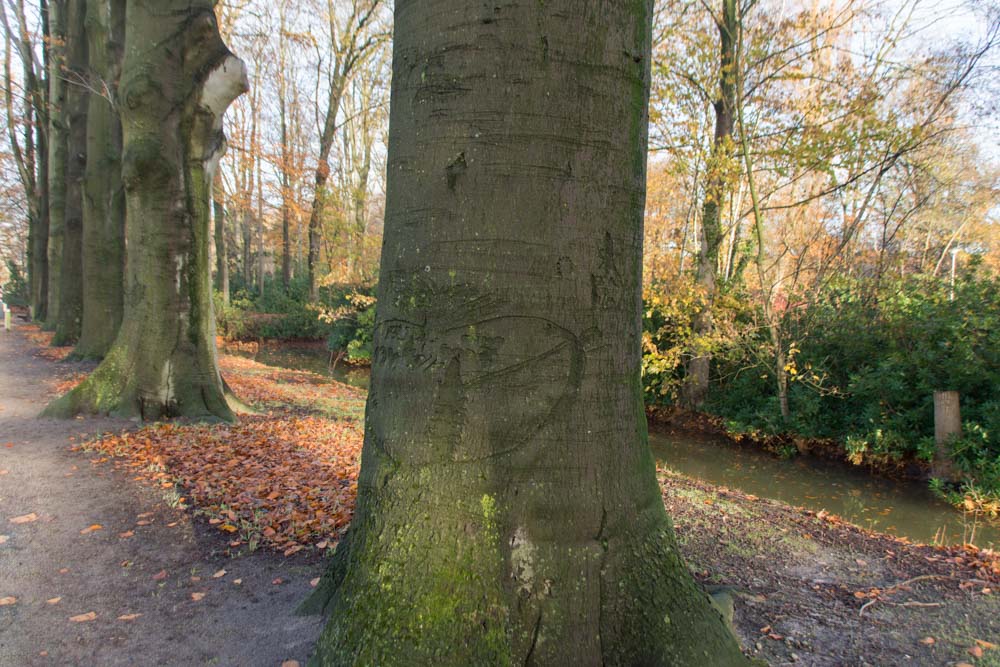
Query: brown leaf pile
<point>287,481</point>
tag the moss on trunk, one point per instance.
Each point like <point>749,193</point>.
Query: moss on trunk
<point>508,511</point>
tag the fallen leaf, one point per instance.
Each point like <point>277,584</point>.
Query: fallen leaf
<point>322,545</point>
<point>219,575</point>
<point>228,527</point>
<point>27,518</point>
<point>144,515</point>
<point>237,582</point>
<point>963,664</point>
<point>3,472</point>
<point>214,522</point>
<point>84,618</point>
<point>171,525</point>
<point>928,641</point>
<point>160,576</point>
<point>291,550</point>
<point>278,581</point>
<point>314,583</point>
<point>64,570</point>
<point>129,617</point>
<point>197,596</point>
<point>290,663</point>
<point>91,529</point>
<point>196,579</point>
<point>7,601</point>
<point>986,645</point>
<point>53,600</point>
<point>127,534</point>
<point>143,523</point>
<point>976,652</point>
<point>4,538</point>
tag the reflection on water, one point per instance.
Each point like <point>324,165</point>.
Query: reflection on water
<point>907,509</point>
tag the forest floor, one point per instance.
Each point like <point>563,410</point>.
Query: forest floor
<point>184,544</point>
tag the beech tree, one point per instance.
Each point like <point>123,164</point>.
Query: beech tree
<point>70,316</point>
<point>508,510</point>
<point>104,196</point>
<point>57,136</point>
<point>178,78</point>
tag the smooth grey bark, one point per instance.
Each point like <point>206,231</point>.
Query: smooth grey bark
<point>178,78</point>
<point>57,155</point>
<point>699,366</point>
<point>104,194</point>
<point>508,509</point>
<point>70,317</point>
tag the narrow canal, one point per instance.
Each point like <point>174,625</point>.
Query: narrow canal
<point>903,508</point>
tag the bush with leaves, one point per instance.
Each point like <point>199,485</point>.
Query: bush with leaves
<point>15,290</point>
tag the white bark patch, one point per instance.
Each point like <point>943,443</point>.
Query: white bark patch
<point>179,261</point>
<point>522,560</point>
<point>166,384</point>
<point>223,85</point>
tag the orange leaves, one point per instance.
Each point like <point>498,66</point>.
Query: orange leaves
<point>7,601</point>
<point>91,529</point>
<point>84,618</point>
<point>198,596</point>
<point>27,518</point>
<point>284,480</point>
<point>43,340</point>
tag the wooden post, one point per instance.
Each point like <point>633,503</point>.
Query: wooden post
<point>6,318</point>
<point>947,427</point>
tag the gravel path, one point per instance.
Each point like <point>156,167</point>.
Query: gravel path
<point>82,540</point>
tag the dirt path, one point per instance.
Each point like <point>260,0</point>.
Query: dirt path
<point>81,538</point>
<point>145,558</point>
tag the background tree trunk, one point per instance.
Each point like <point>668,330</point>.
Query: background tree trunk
<point>508,510</point>
<point>178,78</point>
<point>57,155</point>
<point>699,367</point>
<point>221,251</point>
<point>104,195</point>
<point>70,317</point>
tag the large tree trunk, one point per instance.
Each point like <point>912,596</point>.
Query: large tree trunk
<point>178,78</point>
<point>221,252</point>
<point>699,367</point>
<point>57,155</point>
<point>70,317</point>
<point>104,195</point>
<point>508,510</point>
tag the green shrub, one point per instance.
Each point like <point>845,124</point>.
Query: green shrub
<point>15,290</point>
